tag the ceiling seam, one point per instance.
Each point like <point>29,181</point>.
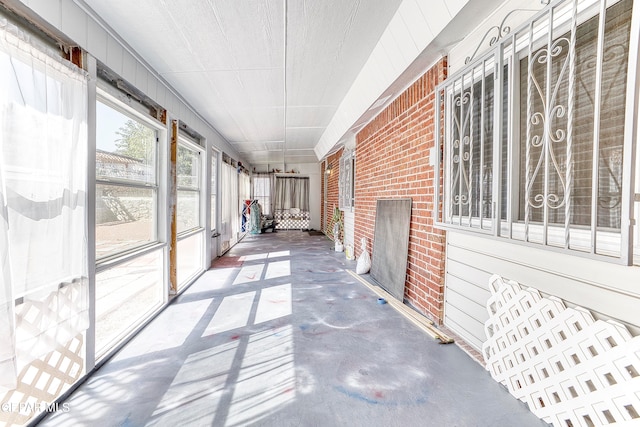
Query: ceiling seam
<point>284,137</point>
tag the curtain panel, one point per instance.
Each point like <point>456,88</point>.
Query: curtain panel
<point>43,193</point>
<point>291,192</point>
<point>230,217</point>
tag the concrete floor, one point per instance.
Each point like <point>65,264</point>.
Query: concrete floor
<point>279,334</point>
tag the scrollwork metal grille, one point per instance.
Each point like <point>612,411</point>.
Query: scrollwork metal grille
<point>535,132</point>
<point>469,177</point>
<point>574,89</point>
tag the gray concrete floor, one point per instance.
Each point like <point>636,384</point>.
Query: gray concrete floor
<point>281,335</point>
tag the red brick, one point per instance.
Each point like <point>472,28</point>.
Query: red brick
<point>392,161</point>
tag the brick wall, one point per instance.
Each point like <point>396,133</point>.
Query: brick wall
<point>332,190</point>
<point>392,161</point>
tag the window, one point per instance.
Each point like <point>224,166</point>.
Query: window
<point>188,170</point>
<point>214,190</point>
<point>190,258</point>
<point>536,128</point>
<point>262,191</point>
<point>127,193</point>
<point>346,181</point>
<point>229,215</point>
<point>470,152</point>
<point>126,181</point>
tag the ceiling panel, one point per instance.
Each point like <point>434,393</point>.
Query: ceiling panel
<point>309,115</point>
<point>228,59</point>
<point>303,137</point>
<point>259,124</point>
<point>341,34</point>
<point>248,147</point>
<point>244,88</point>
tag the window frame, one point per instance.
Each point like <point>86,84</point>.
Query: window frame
<point>193,146</point>
<point>616,246</point>
<point>213,191</point>
<point>346,181</point>
<point>110,260</point>
<point>262,198</point>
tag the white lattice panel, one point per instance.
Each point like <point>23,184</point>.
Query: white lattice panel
<point>287,221</point>
<point>571,369</point>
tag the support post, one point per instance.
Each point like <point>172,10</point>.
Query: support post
<point>173,196</point>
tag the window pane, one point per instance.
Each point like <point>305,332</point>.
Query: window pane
<point>188,181</point>
<point>125,295</point>
<point>190,258</point>
<point>213,212</point>
<point>125,218</point>
<point>214,170</point>
<point>126,148</point>
<point>188,168</point>
<point>188,215</point>
<point>262,192</point>
<point>544,167</point>
<point>472,149</point>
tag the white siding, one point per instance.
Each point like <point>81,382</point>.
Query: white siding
<point>349,227</point>
<point>608,290</point>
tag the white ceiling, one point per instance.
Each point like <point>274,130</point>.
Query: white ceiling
<point>269,75</point>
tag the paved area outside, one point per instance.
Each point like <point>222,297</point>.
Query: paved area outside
<point>279,334</point>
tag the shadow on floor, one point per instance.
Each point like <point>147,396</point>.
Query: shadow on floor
<point>282,335</point>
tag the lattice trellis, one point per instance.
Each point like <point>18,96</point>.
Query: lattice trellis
<point>571,369</point>
<point>43,380</point>
<point>287,221</point>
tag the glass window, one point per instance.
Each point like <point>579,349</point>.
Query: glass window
<point>126,182</point>
<point>562,133</point>
<point>558,171</point>
<point>262,191</point>
<point>125,295</point>
<point>214,190</point>
<point>470,133</point>
<point>346,180</point>
<point>190,257</point>
<point>188,182</point>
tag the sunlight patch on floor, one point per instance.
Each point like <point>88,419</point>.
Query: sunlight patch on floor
<point>249,273</point>
<point>200,383</point>
<point>254,257</point>
<point>266,381</point>
<point>278,269</point>
<point>233,313</point>
<point>279,254</point>
<point>275,302</point>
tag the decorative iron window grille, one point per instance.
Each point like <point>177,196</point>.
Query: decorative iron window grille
<point>538,135</point>
<point>346,181</point>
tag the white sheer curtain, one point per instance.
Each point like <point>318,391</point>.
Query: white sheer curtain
<point>291,192</point>
<point>230,217</point>
<point>43,183</point>
<point>244,182</point>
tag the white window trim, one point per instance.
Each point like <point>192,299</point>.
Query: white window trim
<point>213,189</point>
<point>126,255</point>
<point>200,150</point>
